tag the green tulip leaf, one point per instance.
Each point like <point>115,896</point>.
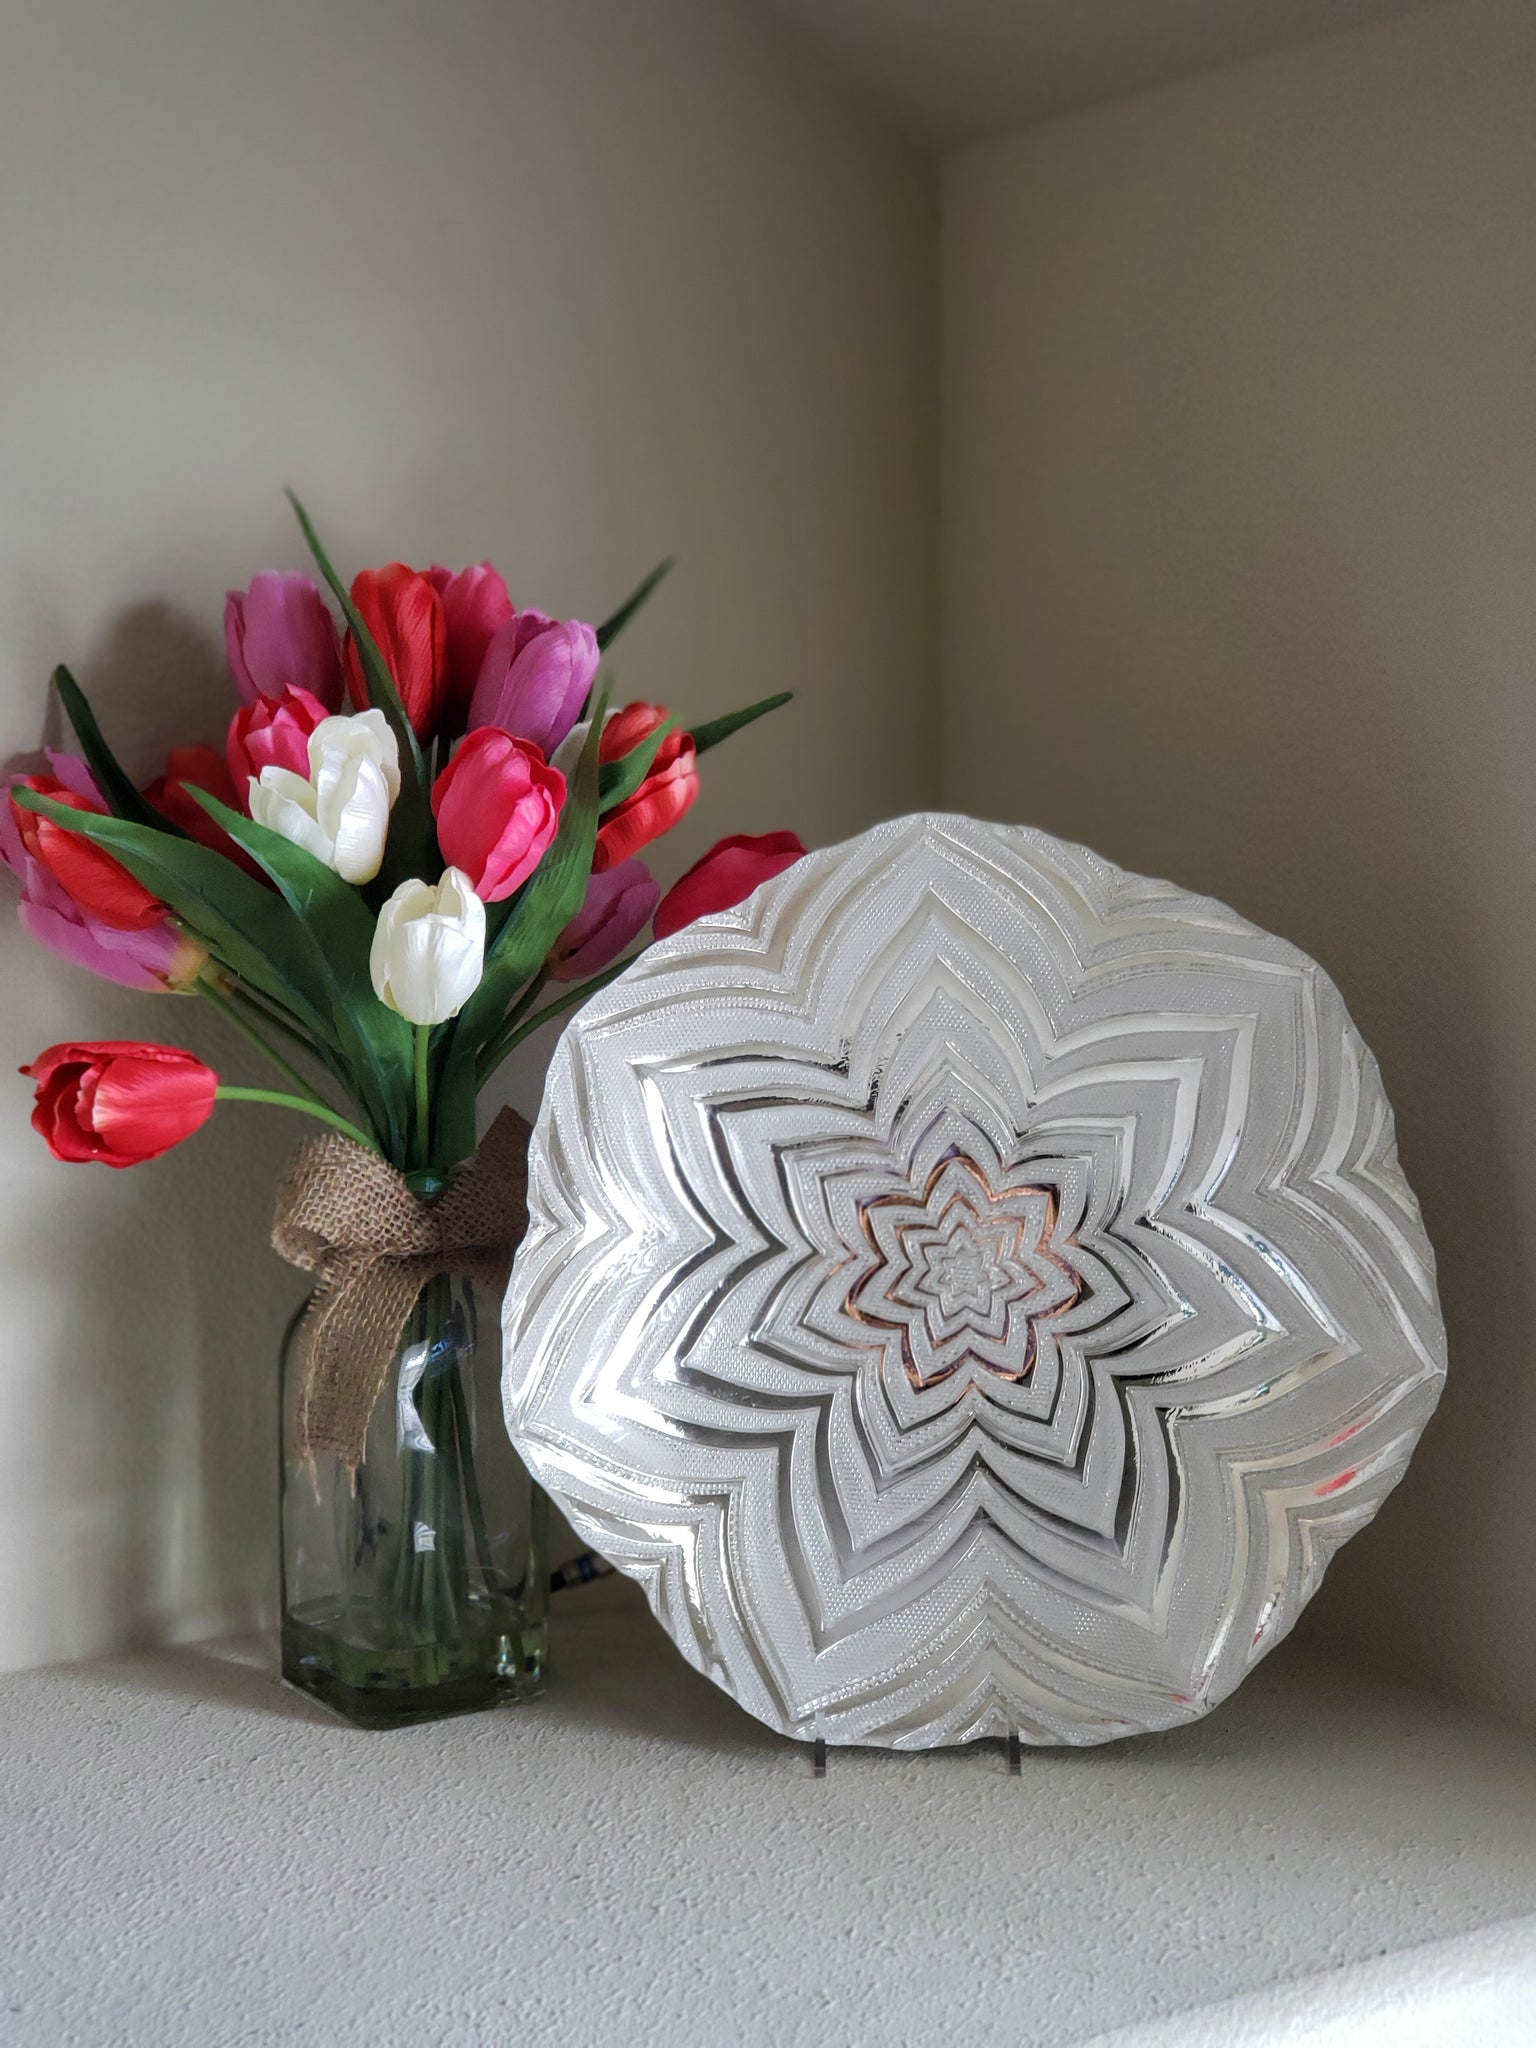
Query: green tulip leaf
<point>718,729</point>
<point>412,841</point>
<point>615,623</point>
<point>375,1041</point>
<point>116,786</point>
<point>618,780</point>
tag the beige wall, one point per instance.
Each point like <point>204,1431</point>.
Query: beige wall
<point>566,285</point>
<point>1239,386</point>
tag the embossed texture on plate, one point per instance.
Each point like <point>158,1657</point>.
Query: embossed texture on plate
<point>971,1288</point>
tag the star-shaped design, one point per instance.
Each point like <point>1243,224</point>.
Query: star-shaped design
<point>965,1272</point>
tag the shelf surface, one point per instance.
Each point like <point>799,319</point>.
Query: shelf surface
<point>193,1857</point>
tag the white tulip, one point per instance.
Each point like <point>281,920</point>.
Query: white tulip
<point>429,948</point>
<point>569,751</point>
<point>339,812</point>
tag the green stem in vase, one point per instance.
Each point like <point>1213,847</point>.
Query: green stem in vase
<point>448,1547</point>
<point>476,1506</point>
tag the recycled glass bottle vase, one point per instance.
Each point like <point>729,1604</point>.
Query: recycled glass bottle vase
<point>416,1587</point>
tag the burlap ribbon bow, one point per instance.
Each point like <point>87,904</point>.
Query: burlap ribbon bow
<point>350,1217</point>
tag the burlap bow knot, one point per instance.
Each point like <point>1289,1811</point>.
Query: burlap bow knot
<point>350,1217</point>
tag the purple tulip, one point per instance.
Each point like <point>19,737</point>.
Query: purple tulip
<point>279,635</point>
<point>159,959</point>
<point>535,678</point>
<point>617,908</point>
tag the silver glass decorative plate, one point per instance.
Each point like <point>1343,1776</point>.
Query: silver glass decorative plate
<point>972,1289</point>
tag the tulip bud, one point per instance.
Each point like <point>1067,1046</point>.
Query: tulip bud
<point>475,603</point>
<point>340,811</point>
<point>204,768</point>
<point>158,958</point>
<point>428,948</point>
<point>280,636</point>
<point>725,876</point>
<point>669,788</point>
<point>535,678</point>
<point>117,1101</point>
<point>102,888</point>
<point>404,614</point>
<point>617,908</point>
<point>497,806</point>
<point>273,732</point>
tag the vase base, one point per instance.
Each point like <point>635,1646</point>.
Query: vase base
<point>396,1687</point>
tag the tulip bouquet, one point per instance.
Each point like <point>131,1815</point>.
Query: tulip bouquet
<point>420,842</point>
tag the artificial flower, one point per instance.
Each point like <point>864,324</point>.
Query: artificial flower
<point>204,768</point>
<point>274,732</point>
<point>339,812</point>
<point>161,960</point>
<point>101,887</point>
<point>405,615</point>
<point>158,959</point>
<point>428,949</point>
<point>186,769</point>
<point>570,750</point>
<point>616,909</point>
<point>670,786</point>
<point>535,677</point>
<point>279,635</point>
<point>726,875</point>
<point>475,603</point>
<point>117,1101</point>
<point>497,806</point>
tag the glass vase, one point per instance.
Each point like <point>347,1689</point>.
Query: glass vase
<point>417,1586</point>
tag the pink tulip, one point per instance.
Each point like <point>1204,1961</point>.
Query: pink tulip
<point>273,732</point>
<point>280,636</point>
<point>617,908</point>
<point>497,806</point>
<point>475,603</point>
<point>157,959</point>
<point>535,678</point>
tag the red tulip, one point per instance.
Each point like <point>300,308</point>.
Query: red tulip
<point>475,603</point>
<point>726,875</point>
<point>87,874</point>
<point>405,616</point>
<point>119,1102</point>
<point>271,733</point>
<point>497,806</point>
<point>159,959</point>
<point>189,768</point>
<point>668,789</point>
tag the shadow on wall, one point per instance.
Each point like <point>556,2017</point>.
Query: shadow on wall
<point>160,1305</point>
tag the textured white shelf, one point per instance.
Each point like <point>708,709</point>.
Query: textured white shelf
<point>191,1857</point>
